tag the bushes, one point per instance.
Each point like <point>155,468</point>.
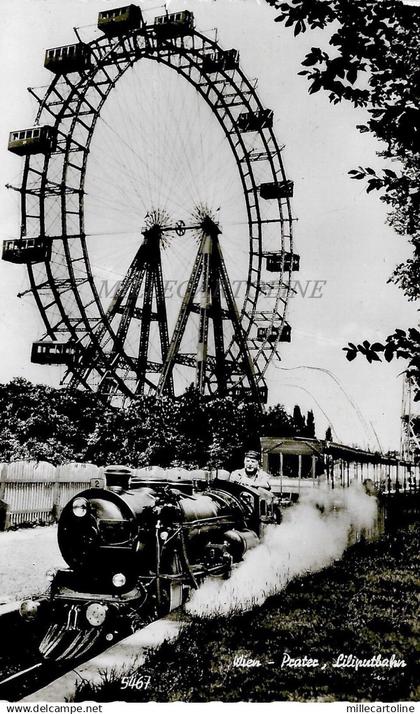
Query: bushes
<point>60,425</point>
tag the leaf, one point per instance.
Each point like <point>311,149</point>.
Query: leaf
<point>300,27</point>
<point>388,354</point>
<point>352,75</point>
<point>374,185</point>
<point>315,86</point>
<point>414,334</point>
<point>309,60</point>
<point>351,354</point>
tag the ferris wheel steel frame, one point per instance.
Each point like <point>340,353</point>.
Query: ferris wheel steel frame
<point>54,186</point>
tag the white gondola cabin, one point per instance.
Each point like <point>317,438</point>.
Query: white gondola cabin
<point>120,20</point>
<point>36,140</point>
<point>254,121</point>
<point>221,60</point>
<point>26,250</point>
<point>276,189</point>
<point>69,58</point>
<point>52,352</point>
<point>274,262</point>
<point>272,333</point>
<point>177,24</point>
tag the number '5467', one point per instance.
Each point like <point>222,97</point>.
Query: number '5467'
<point>135,682</point>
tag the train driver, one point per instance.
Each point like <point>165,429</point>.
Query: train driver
<point>251,474</point>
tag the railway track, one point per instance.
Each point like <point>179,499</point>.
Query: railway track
<point>49,681</point>
<point>21,670</point>
<point>23,674</point>
<point>19,683</point>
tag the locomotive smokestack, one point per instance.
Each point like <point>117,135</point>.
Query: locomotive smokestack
<point>118,478</point>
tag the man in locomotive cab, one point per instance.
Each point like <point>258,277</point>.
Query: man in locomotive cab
<point>252,474</point>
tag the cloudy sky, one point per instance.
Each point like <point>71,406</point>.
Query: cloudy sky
<point>340,233</point>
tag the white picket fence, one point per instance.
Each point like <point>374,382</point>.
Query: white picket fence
<point>35,492</point>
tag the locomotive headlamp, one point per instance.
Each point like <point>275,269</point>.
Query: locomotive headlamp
<point>164,535</point>
<point>29,609</point>
<point>119,580</point>
<point>79,507</point>
<point>96,614</point>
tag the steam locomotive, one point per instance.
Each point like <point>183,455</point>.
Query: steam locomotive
<point>136,548</point>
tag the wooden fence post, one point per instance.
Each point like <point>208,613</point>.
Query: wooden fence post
<point>56,510</point>
<point>4,507</point>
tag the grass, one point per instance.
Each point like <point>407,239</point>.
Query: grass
<point>366,604</point>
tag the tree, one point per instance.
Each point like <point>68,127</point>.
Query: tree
<point>310,424</point>
<point>373,63</point>
<point>328,434</point>
<point>299,421</point>
<point>277,422</point>
<point>60,425</point>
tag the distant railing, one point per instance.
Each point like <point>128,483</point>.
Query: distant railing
<point>36,492</point>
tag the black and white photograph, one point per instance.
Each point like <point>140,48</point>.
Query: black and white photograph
<point>209,354</point>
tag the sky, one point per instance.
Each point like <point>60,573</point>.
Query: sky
<point>347,251</point>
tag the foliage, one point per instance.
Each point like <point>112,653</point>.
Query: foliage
<point>399,344</point>
<point>310,424</point>
<point>60,425</point>
<point>299,420</point>
<point>373,63</point>
<point>302,426</point>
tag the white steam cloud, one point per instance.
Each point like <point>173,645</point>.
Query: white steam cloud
<point>311,536</point>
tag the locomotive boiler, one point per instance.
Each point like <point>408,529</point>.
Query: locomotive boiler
<point>136,548</point>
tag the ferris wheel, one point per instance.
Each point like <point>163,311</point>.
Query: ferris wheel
<point>155,211</point>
